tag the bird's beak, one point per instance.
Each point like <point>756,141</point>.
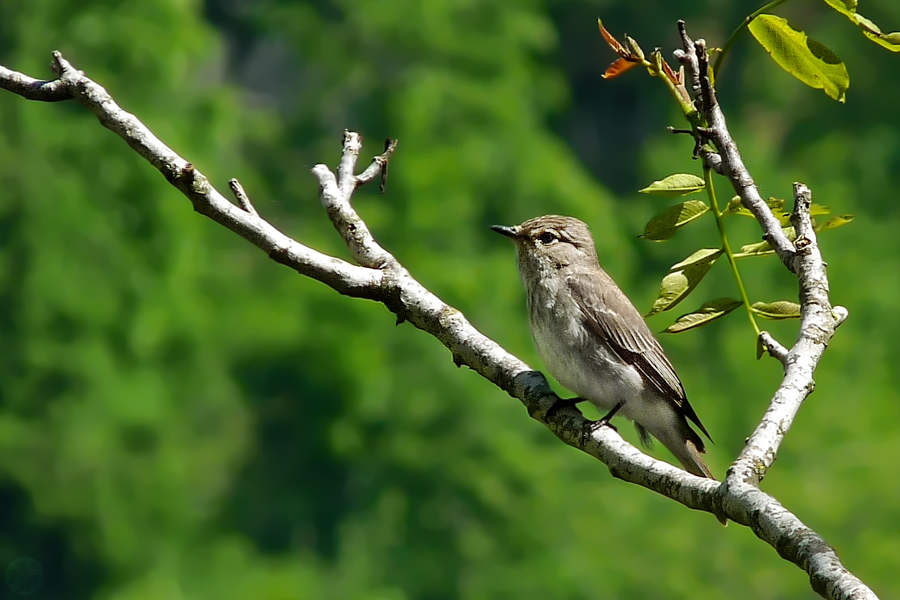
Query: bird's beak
<point>510,232</point>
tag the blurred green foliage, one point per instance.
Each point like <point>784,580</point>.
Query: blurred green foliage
<point>180,417</point>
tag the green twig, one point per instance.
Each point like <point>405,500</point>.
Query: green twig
<point>711,192</point>
<point>733,38</point>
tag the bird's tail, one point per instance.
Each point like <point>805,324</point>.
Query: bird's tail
<point>692,458</point>
<point>693,462</point>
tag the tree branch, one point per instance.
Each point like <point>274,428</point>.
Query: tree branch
<point>378,166</point>
<point>773,347</point>
<point>802,257</point>
<point>817,325</point>
<point>729,162</point>
<point>241,196</point>
<point>381,277</point>
<point>55,90</point>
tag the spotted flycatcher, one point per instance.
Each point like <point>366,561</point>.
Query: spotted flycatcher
<point>595,342</point>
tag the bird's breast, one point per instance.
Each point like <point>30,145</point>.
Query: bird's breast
<point>575,355</point>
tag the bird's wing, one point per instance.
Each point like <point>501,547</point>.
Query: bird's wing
<point>605,309</point>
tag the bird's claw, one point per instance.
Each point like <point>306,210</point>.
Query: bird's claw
<point>604,422</point>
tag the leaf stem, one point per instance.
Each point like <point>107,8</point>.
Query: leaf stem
<point>711,192</point>
<point>734,35</point>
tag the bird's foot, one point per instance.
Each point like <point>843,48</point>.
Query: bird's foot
<point>597,425</point>
<point>564,402</point>
<point>593,427</point>
<point>605,421</point>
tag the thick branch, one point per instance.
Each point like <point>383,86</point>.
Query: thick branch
<point>793,541</point>
<point>817,325</point>
<point>382,278</point>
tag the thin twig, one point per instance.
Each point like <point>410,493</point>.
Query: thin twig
<point>695,61</point>
<point>241,196</point>
<point>713,160</point>
<point>379,166</point>
<point>346,180</point>
<point>773,347</point>
<point>388,145</point>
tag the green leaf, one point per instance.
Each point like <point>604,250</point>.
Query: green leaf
<point>702,256</point>
<point>709,312</point>
<point>776,311</point>
<point>846,8</point>
<point>678,184</point>
<point>683,278</point>
<point>810,61</point>
<point>867,25</point>
<point>835,222</point>
<point>785,217</point>
<point>776,204</point>
<point>891,41</point>
<point>665,224</point>
<point>763,248</point>
<point>734,207</point>
<point>758,249</point>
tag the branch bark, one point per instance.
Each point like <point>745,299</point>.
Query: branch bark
<point>818,320</point>
<point>380,277</point>
<point>729,162</point>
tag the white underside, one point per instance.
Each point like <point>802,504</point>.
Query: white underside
<point>580,364</point>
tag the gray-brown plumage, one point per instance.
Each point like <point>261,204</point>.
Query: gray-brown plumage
<point>594,341</point>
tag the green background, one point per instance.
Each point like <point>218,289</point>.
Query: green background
<point>180,417</point>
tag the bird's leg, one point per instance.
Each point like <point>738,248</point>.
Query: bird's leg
<point>604,422</point>
<point>612,413</point>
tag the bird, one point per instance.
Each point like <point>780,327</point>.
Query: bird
<point>595,343</point>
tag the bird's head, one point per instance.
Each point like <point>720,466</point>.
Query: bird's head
<point>550,243</point>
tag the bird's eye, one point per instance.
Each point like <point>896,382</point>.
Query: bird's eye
<point>547,237</point>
